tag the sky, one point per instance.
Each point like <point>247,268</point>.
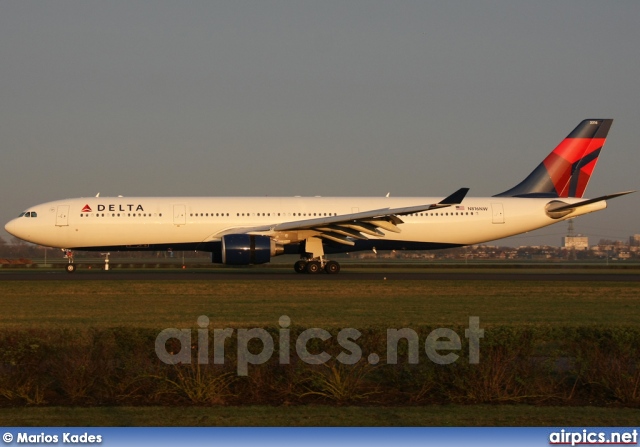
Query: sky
<point>331,98</point>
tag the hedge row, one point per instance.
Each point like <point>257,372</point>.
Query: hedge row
<point>119,366</point>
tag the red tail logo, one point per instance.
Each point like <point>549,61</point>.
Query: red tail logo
<point>571,164</point>
<point>567,170</point>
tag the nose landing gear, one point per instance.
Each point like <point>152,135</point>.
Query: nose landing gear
<point>70,267</point>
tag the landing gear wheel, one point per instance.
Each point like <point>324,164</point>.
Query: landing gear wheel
<point>70,268</point>
<point>300,266</point>
<point>313,267</point>
<point>332,267</point>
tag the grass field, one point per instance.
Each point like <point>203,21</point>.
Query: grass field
<point>329,305</point>
<point>325,304</point>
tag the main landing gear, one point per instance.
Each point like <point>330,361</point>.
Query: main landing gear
<point>316,266</point>
<point>312,258</point>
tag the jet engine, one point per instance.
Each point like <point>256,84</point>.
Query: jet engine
<point>246,249</point>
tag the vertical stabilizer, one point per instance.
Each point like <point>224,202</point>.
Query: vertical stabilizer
<point>567,170</point>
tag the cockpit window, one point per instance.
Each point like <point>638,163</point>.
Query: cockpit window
<point>29,214</point>
<point>22,214</point>
<point>34,214</point>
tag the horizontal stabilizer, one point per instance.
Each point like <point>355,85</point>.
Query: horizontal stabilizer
<point>570,206</point>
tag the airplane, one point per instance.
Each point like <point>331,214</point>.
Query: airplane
<point>252,230</point>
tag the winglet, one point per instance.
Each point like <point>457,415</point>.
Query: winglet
<point>455,198</point>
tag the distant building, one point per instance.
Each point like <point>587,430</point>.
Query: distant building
<point>634,241</point>
<point>573,241</point>
<point>576,242</point>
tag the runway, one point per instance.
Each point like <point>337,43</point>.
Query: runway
<point>345,275</point>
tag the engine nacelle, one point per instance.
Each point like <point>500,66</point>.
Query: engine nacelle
<point>246,249</point>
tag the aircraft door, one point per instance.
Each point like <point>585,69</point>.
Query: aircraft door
<point>62,216</point>
<point>179,214</point>
<point>498,213</point>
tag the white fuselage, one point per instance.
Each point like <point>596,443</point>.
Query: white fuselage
<point>145,221</point>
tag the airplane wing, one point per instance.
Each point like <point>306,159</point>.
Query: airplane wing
<point>345,227</point>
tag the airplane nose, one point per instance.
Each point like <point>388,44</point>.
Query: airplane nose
<point>12,227</point>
